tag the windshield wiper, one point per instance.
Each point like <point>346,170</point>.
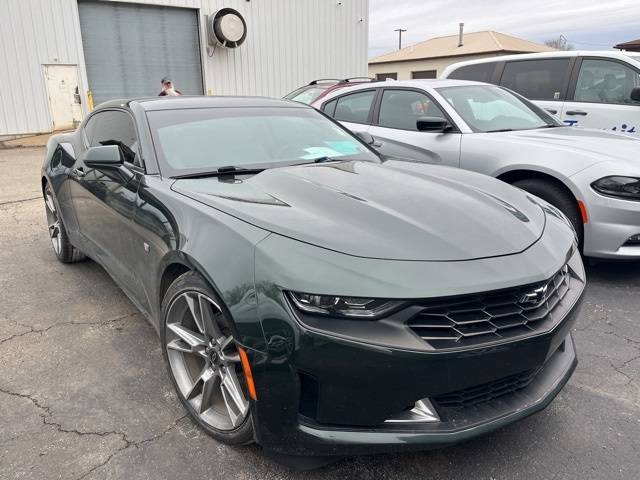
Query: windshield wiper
<point>325,159</point>
<point>500,130</point>
<point>226,170</point>
<point>549,125</point>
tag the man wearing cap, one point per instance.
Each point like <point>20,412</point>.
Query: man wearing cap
<point>168,89</point>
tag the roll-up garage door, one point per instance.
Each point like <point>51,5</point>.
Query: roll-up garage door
<point>129,48</point>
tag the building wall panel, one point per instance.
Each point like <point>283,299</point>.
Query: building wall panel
<point>289,43</point>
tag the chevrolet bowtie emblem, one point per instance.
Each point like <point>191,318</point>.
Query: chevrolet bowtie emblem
<point>534,297</point>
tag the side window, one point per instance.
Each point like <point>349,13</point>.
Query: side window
<point>402,108</point>
<point>330,108</point>
<point>424,74</point>
<point>480,72</point>
<point>114,128</point>
<point>89,128</point>
<point>536,79</point>
<point>355,107</point>
<point>604,81</point>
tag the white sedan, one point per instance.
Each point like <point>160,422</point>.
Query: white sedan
<point>592,176</point>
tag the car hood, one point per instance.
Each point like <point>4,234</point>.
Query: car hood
<point>587,146</point>
<point>394,210</point>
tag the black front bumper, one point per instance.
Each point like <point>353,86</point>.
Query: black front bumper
<point>324,395</point>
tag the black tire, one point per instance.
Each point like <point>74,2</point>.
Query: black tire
<point>559,198</point>
<point>62,246</point>
<point>192,282</point>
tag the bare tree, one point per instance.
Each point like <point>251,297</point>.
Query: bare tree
<point>559,43</point>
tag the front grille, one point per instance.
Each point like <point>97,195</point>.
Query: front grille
<point>487,391</point>
<point>473,320</point>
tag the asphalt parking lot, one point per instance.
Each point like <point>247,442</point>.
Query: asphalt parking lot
<point>84,393</point>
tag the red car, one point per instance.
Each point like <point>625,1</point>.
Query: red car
<point>318,89</point>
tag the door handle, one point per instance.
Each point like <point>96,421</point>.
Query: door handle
<point>552,111</point>
<point>576,112</point>
<point>78,172</point>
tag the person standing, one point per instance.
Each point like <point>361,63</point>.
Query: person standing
<point>168,89</point>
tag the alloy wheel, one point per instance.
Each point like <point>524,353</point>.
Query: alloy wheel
<point>205,361</point>
<point>53,222</point>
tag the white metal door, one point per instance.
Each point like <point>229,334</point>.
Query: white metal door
<point>619,118</point>
<point>62,86</point>
<point>602,97</point>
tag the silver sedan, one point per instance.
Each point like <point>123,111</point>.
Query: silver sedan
<point>592,176</point>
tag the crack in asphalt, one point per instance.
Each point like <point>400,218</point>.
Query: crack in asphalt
<point>46,415</point>
<point>129,443</point>
<point>11,202</point>
<point>40,331</point>
<point>615,367</point>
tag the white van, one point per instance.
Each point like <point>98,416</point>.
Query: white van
<point>589,89</point>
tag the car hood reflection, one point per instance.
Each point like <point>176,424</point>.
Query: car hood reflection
<point>395,210</point>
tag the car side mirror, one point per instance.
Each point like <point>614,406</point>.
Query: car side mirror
<point>105,156</point>
<point>367,138</point>
<point>433,124</point>
<point>635,94</point>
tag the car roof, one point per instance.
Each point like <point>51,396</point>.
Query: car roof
<point>187,101</point>
<point>540,55</point>
<point>421,84</point>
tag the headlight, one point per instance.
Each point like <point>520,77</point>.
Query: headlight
<point>349,307</point>
<point>621,187</point>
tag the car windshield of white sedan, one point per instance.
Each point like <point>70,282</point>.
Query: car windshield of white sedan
<point>493,109</point>
<point>209,138</point>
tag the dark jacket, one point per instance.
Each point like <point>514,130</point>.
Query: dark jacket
<point>164,94</point>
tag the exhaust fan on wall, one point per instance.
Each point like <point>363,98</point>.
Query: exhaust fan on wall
<point>226,28</point>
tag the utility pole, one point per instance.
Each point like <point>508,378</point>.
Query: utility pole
<point>399,30</point>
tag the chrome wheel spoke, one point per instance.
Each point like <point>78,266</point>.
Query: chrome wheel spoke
<point>209,319</point>
<point>228,352</point>
<point>180,345</point>
<point>197,383</point>
<point>191,338</point>
<point>237,406</point>
<point>225,342</point>
<point>208,390</point>
<point>54,234</point>
<point>54,229</point>
<point>194,308</point>
<point>49,201</point>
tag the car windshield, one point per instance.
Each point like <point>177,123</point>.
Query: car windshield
<point>306,94</point>
<point>205,139</point>
<point>487,108</point>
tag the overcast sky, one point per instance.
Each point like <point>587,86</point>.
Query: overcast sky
<point>587,24</point>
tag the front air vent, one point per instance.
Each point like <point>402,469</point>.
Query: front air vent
<point>309,390</point>
<point>486,392</point>
<point>474,320</point>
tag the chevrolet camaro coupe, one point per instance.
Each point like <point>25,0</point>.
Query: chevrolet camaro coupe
<point>308,295</point>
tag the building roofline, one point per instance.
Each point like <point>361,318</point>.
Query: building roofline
<point>486,52</point>
<point>493,35</point>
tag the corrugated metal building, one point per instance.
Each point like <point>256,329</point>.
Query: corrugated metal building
<point>54,52</point>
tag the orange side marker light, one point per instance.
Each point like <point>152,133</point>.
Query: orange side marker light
<point>246,367</point>
<point>583,211</point>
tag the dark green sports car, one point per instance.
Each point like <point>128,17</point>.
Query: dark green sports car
<point>309,295</point>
